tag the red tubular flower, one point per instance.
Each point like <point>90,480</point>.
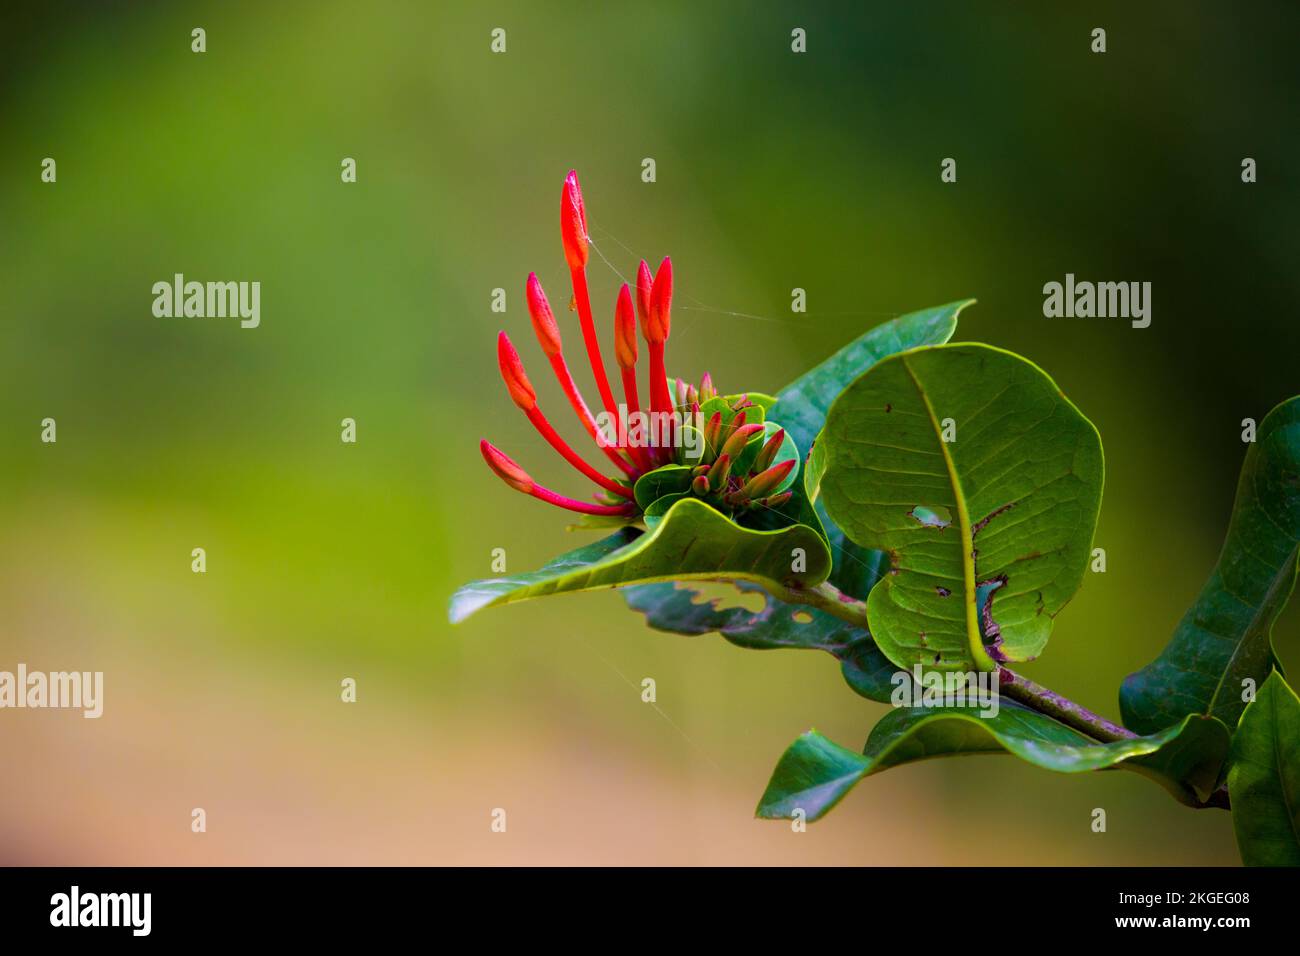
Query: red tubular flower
<point>655,325</point>
<point>512,373</point>
<point>573,232</point>
<point>573,222</point>
<point>645,284</point>
<point>625,351</point>
<point>509,471</point>
<point>625,339</point>
<point>548,336</point>
<point>521,390</point>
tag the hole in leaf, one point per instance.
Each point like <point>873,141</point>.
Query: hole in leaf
<point>723,597</point>
<point>984,592</point>
<point>932,517</point>
<point>802,617</point>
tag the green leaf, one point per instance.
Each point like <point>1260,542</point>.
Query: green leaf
<point>661,506</point>
<point>1008,507</point>
<point>814,774</point>
<point>679,608</point>
<point>692,541</point>
<point>1264,777</point>
<point>667,480</point>
<point>1225,638</point>
<point>802,405</point>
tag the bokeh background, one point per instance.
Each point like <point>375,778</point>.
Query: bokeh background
<point>327,560</point>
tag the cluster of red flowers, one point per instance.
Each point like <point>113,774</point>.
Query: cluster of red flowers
<point>654,295</point>
<point>713,476</point>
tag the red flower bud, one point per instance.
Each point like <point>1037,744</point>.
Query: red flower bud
<point>707,391</point>
<point>659,319</point>
<point>512,371</point>
<point>719,472</point>
<point>505,467</point>
<point>573,222</point>
<point>644,288</point>
<point>770,449</point>
<point>625,330</point>
<point>548,333</point>
<point>764,482</point>
<point>713,433</point>
<point>739,439</point>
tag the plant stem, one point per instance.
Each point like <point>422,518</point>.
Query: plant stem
<point>826,597</point>
<point>1049,702</point>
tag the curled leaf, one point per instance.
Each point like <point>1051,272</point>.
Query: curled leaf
<point>814,774</point>
<point>691,541</point>
<point>1224,640</point>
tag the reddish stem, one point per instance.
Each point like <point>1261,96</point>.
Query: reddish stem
<point>572,457</point>
<point>660,400</point>
<point>583,507</point>
<point>584,413</point>
<point>639,454</point>
<point>583,299</point>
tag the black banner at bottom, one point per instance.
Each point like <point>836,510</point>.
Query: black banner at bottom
<point>207,905</point>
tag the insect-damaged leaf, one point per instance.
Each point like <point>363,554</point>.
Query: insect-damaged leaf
<point>982,482</point>
<point>678,608</point>
<point>814,774</point>
<point>1264,777</point>
<point>691,541</point>
<point>1224,639</point>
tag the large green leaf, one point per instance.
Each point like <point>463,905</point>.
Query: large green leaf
<point>1225,638</point>
<point>814,774</point>
<point>801,409</point>
<point>691,541</point>
<point>989,534</point>
<point>1264,777</point>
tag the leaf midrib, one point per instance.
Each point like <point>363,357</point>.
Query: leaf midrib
<point>974,636</point>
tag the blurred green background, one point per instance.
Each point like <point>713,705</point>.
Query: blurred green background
<point>326,560</point>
